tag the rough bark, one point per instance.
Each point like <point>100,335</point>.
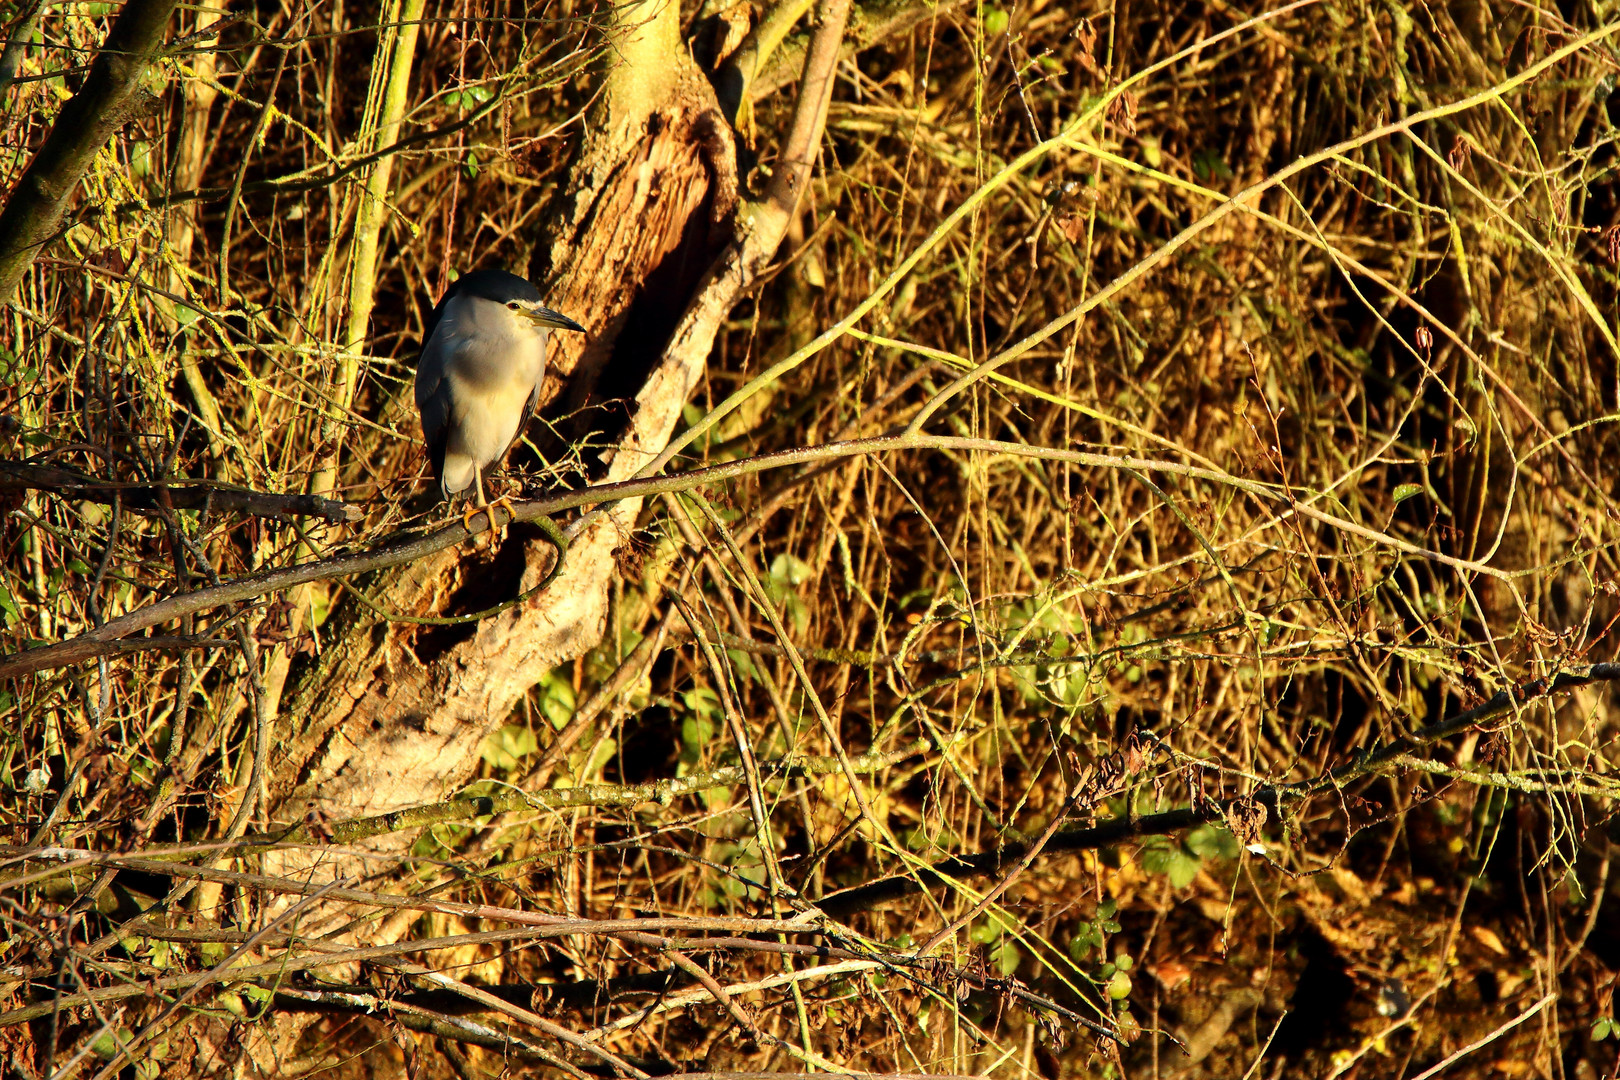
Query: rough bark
<point>395,714</point>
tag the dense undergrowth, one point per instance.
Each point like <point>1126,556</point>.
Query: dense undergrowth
<point>1364,464</point>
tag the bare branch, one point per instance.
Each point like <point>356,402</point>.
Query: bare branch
<point>869,24</point>
<point>183,494</point>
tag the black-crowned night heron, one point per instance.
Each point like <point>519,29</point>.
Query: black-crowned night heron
<point>479,375</point>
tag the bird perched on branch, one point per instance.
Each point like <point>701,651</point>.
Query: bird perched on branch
<point>478,378</point>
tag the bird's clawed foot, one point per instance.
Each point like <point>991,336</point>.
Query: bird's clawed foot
<point>505,503</point>
<point>470,515</point>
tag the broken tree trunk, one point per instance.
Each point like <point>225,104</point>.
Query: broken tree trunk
<point>394,714</point>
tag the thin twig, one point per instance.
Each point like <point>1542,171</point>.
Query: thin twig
<point>1488,1039</point>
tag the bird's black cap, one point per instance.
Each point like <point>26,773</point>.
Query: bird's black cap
<point>496,285</point>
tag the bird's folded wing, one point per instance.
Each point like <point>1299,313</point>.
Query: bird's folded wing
<point>433,399</point>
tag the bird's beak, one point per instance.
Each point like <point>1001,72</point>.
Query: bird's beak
<point>546,317</point>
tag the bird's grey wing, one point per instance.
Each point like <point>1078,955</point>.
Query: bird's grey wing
<point>433,401</point>
<point>431,326</point>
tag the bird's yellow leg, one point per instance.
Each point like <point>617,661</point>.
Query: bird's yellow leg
<point>504,502</point>
<point>482,506</point>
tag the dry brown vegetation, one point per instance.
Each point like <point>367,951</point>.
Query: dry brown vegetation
<point>1205,668</point>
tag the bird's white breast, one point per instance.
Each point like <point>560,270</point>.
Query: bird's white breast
<point>496,359</point>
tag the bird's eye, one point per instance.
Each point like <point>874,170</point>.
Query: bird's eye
<point>513,304</point>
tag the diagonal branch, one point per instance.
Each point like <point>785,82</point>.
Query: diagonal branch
<point>82,128</point>
<point>869,24</point>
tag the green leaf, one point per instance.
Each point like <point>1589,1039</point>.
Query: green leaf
<point>1212,841</point>
<point>742,664</point>
<point>1172,861</point>
<point>1119,987</point>
<point>1183,870</point>
<point>1602,1029</point>
<point>790,570</point>
<point>1085,939</point>
<point>702,701</point>
<point>507,746</point>
<point>557,699</point>
<point>1209,165</point>
<point>995,22</point>
<point>698,725</point>
<point>140,159</point>
<point>1406,491</point>
<point>1006,955</point>
<point>985,931</point>
<point>797,612</point>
